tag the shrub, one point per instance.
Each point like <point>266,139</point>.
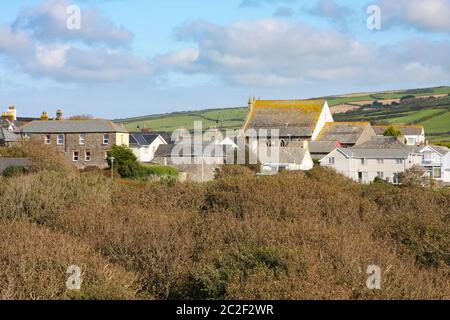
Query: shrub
<point>125,161</point>
<point>34,260</point>
<point>13,171</point>
<point>392,132</point>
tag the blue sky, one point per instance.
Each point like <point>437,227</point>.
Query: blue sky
<point>139,57</point>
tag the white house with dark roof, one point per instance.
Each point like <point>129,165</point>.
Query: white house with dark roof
<point>382,157</point>
<point>145,144</point>
<point>436,160</point>
<point>413,134</point>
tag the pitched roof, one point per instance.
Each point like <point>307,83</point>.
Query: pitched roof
<point>381,142</point>
<point>411,130</point>
<point>322,146</point>
<point>7,135</point>
<point>379,147</point>
<point>291,117</point>
<point>143,138</point>
<point>192,150</point>
<point>287,155</point>
<point>344,132</point>
<point>71,126</point>
<point>442,150</point>
<point>375,153</point>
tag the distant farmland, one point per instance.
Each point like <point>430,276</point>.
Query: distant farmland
<point>429,107</point>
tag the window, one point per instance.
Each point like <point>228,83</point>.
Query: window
<point>427,156</point>
<point>380,161</point>
<point>399,161</point>
<point>380,174</point>
<point>363,161</point>
<point>268,142</point>
<point>283,143</point>
<point>48,139</point>
<point>331,160</point>
<point>106,139</point>
<point>82,139</point>
<point>437,173</point>
<point>76,156</point>
<point>87,156</point>
<point>60,139</point>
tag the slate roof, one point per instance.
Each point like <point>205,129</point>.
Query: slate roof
<point>375,153</point>
<point>412,130</point>
<point>143,138</point>
<point>192,150</point>
<point>344,132</point>
<point>379,147</point>
<point>322,146</point>
<point>287,155</point>
<point>381,142</point>
<point>291,117</point>
<point>440,149</point>
<point>71,126</point>
<point>8,136</point>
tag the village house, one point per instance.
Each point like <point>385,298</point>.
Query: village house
<point>199,162</point>
<point>413,134</point>
<point>290,158</point>
<point>382,157</point>
<point>436,160</point>
<point>293,119</point>
<point>144,145</point>
<point>83,142</point>
<point>347,134</point>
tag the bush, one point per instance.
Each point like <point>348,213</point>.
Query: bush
<point>125,161</point>
<point>34,260</point>
<point>13,171</point>
<point>392,132</point>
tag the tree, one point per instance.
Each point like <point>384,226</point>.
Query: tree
<point>125,161</point>
<point>415,177</point>
<point>392,132</point>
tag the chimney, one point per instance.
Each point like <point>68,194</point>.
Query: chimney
<point>12,111</point>
<point>44,116</point>
<point>59,114</point>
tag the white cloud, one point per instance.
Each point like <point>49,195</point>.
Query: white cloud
<point>39,43</point>
<point>278,53</point>
<point>429,15</point>
<point>49,22</point>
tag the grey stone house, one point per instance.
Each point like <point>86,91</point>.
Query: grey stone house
<point>83,142</point>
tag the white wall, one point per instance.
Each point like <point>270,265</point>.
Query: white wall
<point>147,153</point>
<point>325,116</point>
<point>350,167</point>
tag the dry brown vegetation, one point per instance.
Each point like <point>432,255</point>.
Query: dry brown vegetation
<point>290,236</point>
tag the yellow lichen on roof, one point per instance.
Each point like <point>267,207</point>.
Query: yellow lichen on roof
<point>304,106</point>
<point>399,126</point>
<point>350,123</point>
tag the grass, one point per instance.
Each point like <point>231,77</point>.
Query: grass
<point>233,118</point>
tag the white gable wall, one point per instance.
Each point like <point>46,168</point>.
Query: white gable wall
<point>325,116</point>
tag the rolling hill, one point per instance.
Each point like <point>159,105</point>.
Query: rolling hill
<point>428,106</point>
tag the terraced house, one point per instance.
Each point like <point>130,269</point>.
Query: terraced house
<point>84,142</point>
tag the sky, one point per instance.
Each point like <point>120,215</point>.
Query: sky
<point>124,58</point>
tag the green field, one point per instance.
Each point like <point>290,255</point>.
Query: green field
<point>434,114</point>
